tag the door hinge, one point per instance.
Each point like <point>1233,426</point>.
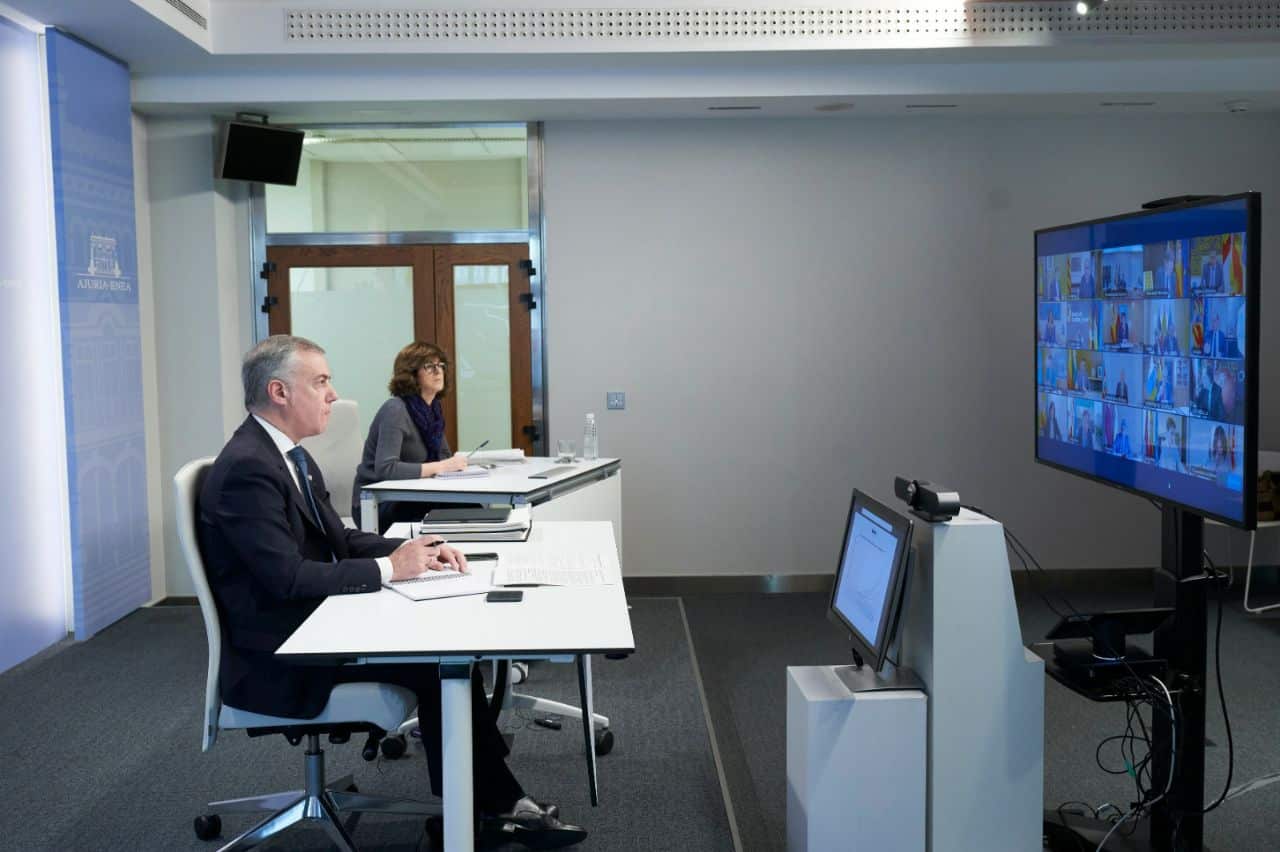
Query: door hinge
<point>269,302</point>
<point>268,267</point>
<point>528,300</point>
<point>528,267</point>
<point>533,432</point>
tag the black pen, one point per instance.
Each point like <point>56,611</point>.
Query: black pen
<point>483,444</point>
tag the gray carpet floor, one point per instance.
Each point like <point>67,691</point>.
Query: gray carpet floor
<point>745,642</point>
<point>99,741</point>
<point>100,749</point>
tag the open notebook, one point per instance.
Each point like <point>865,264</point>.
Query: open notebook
<point>446,584</point>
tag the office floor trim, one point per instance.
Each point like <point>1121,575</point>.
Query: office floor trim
<point>711,732</point>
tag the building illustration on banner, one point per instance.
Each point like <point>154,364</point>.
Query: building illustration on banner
<point>102,256</point>
<point>103,273</point>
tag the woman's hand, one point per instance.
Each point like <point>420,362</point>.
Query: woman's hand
<point>458,461</point>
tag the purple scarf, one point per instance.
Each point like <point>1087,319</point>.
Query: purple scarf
<point>430,422</point>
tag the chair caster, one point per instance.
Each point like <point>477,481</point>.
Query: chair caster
<point>208,826</point>
<point>604,742</point>
<point>435,831</point>
<point>392,747</point>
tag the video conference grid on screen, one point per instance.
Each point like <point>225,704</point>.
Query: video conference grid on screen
<point>1140,356</point>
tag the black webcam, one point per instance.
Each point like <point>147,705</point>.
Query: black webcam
<point>928,500</point>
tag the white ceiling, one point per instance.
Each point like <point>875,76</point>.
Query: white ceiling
<point>174,75</point>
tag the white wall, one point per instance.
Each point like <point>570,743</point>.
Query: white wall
<point>200,272</point>
<point>795,308</point>
<point>35,570</point>
<point>150,389</point>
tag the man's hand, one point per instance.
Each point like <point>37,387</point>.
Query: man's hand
<point>428,553</point>
<point>416,556</point>
<point>449,556</point>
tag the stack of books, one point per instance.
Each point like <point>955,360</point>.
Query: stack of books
<point>478,524</point>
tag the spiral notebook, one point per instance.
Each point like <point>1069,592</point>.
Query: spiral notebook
<point>469,472</point>
<point>445,584</point>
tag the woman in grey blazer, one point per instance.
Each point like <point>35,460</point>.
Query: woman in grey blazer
<point>406,438</point>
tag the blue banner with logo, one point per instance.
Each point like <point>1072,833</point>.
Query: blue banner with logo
<point>101,335</point>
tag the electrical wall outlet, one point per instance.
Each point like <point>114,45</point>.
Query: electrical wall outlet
<point>616,400</point>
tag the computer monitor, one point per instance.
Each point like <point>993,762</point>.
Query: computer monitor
<point>1146,353</point>
<point>870,578</point>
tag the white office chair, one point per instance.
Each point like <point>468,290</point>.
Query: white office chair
<point>372,707</point>
<point>337,450</point>
<point>1267,460</point>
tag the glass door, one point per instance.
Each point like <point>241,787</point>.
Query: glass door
<point>363,303</point>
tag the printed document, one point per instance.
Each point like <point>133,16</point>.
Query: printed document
<point>550,568</point>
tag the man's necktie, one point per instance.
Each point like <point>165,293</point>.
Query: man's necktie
<point>299,458</point>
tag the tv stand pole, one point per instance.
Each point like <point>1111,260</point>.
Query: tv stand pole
<point>1181,583</point>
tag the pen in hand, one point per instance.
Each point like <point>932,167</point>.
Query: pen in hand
<point>483,444</point>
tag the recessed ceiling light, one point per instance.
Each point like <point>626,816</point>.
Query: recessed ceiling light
<point>1237,106</point>
<point>839,106</point>
<point>732,108</point>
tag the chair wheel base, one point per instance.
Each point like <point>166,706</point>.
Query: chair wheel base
<point>207,826</point>
<point>435,831</point>
<point>604,742</point>
<point>392,747</point>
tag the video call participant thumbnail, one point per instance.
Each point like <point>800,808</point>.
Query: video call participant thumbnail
<point>1085,369</point>
<point>1167,383</point>
<point>1162,268</point>
<point>1121,425</point>
<point>1051,369</point>
<point>1122,377</point>
<point>1052,414</point>
<point>1122,326</point>
<point>1168,327</point>
<point>1214,450</point>
<point>1217,390</point>
<point>1086,424</point>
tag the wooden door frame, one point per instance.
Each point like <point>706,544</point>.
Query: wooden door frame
<point>519,295</point>
<point>282,260</point>
<point>433,308</point>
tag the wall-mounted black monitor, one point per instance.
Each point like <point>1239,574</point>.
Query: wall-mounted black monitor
<point>1146,353</point>
<point>871,577</point>
<point>259,152</point>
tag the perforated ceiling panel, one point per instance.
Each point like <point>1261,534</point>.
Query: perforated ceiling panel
<point>1030,22</point>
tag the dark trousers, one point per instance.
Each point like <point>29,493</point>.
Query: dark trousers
<point>496,789</point>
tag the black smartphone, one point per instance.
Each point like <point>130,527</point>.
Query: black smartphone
<point>504,596</point>
<point>481,557</point>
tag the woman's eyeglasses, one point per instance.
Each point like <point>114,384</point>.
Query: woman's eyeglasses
<point>435,367</point>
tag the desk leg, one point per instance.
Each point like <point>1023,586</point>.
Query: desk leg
<point>369,511</point>
<point>588,724</point>
<point>457,772</point>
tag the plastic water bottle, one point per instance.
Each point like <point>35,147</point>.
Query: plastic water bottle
<point>590,440</point>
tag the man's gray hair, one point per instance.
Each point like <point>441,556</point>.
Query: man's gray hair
<point>273,358</point>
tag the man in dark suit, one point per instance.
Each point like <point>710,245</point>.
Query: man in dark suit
<point>1216,345</point>
<point>274,548</point>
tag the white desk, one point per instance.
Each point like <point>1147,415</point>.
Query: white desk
<point>557,624</point>
<point>507,484</point>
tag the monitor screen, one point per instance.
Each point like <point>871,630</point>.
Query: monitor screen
<point>259,152</point>
<point>1146,353</point>
<point>869,579</point>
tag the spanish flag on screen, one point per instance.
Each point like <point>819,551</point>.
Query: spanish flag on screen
<point>1233,262</point>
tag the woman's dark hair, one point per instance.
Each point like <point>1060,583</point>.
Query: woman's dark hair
<point>415,356</point>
